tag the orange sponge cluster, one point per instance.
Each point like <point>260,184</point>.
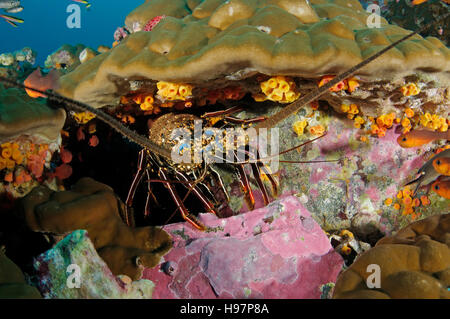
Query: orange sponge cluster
<point>405,202</point>
<point>22,161</point>
<point>348,85</point>
<point>434,122</point>
<point>381,124</point>
<point>227,93</point>
<point>410,89</point>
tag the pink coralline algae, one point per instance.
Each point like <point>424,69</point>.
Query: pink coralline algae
<point>120,34</point>
<point>63,171</point>
<point>36,163</point>
<point>66,155</point>
<point>277,251</point>
<point>93,141</point>
<point>153,22</point>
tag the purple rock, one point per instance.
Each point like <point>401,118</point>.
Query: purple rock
<point>277,251</point>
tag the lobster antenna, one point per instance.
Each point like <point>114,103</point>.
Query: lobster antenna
<point>314,95</point>
<point>108,119</point>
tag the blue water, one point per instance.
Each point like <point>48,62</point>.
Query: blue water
<point>45,29</point>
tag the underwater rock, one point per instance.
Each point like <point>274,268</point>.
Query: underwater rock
<point>349,194</point>
<point>24,55</point>
<point>277,251</point>
<point>12,281</point>
<point>94,207</point>
<point>436,227</point>
<point>73,269</point>
<point>66,58</point>
<point>415,263</point>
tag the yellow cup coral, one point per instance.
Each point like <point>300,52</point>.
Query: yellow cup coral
<point>345,108</point>
<point>409,112</point>
<point>358,122</point>
<point>410,89</point>
<point>317,130</point>
<point>352,84</point>
<point>335,88</point>
<point>434,122</point>
<point>353,109</point>
<point>299,127</point>
<point>83,117</point>
<point>174,91</point>
<point>384,122</point>
<point>278,89</point>
<point>147,104</point>
<point>346,233</point>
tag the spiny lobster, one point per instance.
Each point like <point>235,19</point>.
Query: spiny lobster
<point>159,154</point>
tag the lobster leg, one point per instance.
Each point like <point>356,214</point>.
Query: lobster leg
<point>197,192</point>
<point>129,218</point>
<point>225,114</point>
<point>140,172</point>
<point>149,194</point>
<point>262,187</point>
<point>271,179</point>
<point>248,194</point>
<point>257,174</point>
<point>236,120</point>
<point>230,110</point>
<point>184,212</point>
<point>206,188</point>
<point>222,185</point>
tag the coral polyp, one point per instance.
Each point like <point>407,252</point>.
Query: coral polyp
<point>174,91</point>
<point>278,89</point>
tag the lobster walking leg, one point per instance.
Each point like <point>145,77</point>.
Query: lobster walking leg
<point>230,110</point>
<point>197,192</point>
<point>142,162</point>
<point>262,167</point>
<point>262,187</point>
<point>236,120</point>
<point>149,194</point>
<point>206,188</point>
<point>270,177</point>
<point>184,212</point>
<point>222,185</point>
<point>245,184</point>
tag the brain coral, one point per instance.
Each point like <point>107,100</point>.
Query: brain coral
<point>415,263</point>
<point>211,41</point>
